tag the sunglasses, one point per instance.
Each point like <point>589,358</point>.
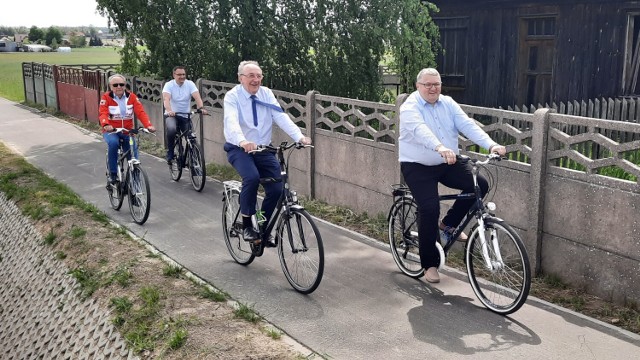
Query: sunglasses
<point>118,84</point>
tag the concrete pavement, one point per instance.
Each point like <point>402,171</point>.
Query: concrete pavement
<point>363,309</point>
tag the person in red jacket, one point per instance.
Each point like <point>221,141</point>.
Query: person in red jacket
<point>117,108</point>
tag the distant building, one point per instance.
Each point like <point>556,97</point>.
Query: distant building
<point>8,45</point>
<point>36,48</point>
<point>19,38</point>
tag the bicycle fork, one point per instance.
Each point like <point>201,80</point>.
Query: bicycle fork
<point>490,264</point>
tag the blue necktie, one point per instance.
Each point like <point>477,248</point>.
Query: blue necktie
<point>254,101</point>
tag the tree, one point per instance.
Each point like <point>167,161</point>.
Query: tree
<point>35,34</point>
<point>333,46</point>
<point>53,33</point>
<point>78,41</point>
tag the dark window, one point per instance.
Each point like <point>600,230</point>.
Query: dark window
<point>452,61</point>
<point>632,56</point>
<point>536,56</point>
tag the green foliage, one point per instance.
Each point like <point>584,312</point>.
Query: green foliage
<point>246,312</point>
<point>35,34</point>
<point>332,46</point>
<point>53,37</point>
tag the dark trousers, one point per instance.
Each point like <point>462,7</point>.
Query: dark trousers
<point>251,168</point>
<point>423,181</point>
<point>171,124</point>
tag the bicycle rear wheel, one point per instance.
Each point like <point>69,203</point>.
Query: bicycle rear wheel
<point>403,237</point>
<point>239,249</point>
<point>139,194</point>
<point>504,288</point>
<point>176,165</point>
<point>300,251</point>
<point>197,169</point>
<point>116,195</point>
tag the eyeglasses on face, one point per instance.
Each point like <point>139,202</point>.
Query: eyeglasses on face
<point>181,74</point>
<point>119,85</point>
<point>253,76</point>
<point>430,85</point>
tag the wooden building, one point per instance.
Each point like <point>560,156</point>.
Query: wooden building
<point>523,52</point>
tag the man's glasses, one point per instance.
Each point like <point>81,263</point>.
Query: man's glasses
<point>253,76</point>
<point>430,85</point>
<point>119,85</point>
<point>182,74</point>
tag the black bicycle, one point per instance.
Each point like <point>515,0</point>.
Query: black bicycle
<point>132,180</point>
<point>495,256</point>
<point>187,153</point>
<point>298,240</point>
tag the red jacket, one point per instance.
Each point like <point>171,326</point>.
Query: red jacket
<point>109,112</point>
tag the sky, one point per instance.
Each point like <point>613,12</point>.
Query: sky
<point>45,13</point>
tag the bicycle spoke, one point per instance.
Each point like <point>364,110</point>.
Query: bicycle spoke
<point>301,252</point>
<point>503,288</point>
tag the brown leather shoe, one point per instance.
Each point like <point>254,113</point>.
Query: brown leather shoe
<point>431,275</point>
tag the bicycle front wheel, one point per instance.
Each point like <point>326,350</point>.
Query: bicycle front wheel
<point>197,168</point>
<point>403,237</point>
<point>116,195</point>
<point>300,251</point>
<point>176,165</point>
<point>139,195</point>
<point>239,249</point>
<point>503,286</point>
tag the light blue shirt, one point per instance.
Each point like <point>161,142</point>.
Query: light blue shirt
<point>424,126</point>
<point>122,104</point>
<point>180,95</point>
<point>238,118</point>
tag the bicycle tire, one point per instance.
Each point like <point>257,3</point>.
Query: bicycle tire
<point>176,165</point>
<point>403,236</point>
<point>239,249</point>
<point>197,168</point>
<point>505,289</point>
<point>300,250</point>
<point>139,194</point>
<point>116,198</point>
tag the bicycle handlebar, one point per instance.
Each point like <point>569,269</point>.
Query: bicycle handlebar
<point>133,131</point>
<point>489,158</point>
<point>192,112</point>
<point>283,146</point>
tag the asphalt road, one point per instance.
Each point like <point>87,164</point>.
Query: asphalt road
<point>363,309</point>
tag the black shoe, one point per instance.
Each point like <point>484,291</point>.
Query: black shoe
<point>270,242</point>
<point>248,234</point>
<point>170,162</point>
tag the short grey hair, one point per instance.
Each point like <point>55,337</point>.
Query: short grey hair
<point>245,63</point>
<point>427,71</point>
<point>117,76</point>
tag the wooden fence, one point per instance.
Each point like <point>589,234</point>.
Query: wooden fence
<point>621,109</point>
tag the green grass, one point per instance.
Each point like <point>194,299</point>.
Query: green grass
<point>11,85</point>
<point>247,313</point>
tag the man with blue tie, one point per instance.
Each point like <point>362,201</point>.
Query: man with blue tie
<point>249,113</point>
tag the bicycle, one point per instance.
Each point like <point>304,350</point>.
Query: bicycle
<point>495,256</point>
<point>298,240</point>
<point>188,154</point>
<point>132,180</point>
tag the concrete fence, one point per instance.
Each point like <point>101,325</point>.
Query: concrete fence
<point>577,221</point>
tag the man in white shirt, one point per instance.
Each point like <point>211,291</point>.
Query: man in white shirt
<point>249,113</point>
<point>428,145</point>
<point>176,96</point>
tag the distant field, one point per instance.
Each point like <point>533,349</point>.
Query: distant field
<point>11,86</point>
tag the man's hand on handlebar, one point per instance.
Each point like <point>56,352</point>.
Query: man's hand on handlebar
<point>499,149</point>
<point>447,154</point>
<point>151,129</point>
<point>305,140</point>
<point>248,146</point>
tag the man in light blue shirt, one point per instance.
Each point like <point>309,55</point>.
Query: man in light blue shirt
<point>249,113</point>
<point>176,96</point>
<point>428,145</point>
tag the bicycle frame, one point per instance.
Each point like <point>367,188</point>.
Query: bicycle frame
<point>479,211</point>
<point>287,201</point>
